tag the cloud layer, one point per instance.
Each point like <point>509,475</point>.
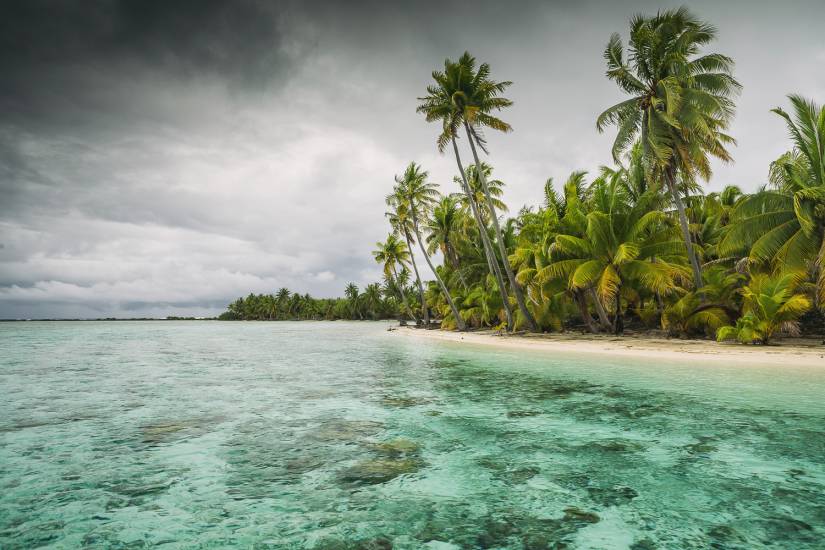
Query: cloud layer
<point>163,158</point>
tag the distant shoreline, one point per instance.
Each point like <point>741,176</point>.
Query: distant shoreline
<point>112,319</point>
<point>791,352</point>
<point>191,319</point>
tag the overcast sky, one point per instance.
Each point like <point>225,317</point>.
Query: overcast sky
<point>162,158</point>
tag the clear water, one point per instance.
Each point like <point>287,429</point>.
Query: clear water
<point>342,435</point>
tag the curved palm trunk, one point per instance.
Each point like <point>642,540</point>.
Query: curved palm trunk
<point>403,296</point>
<point>683,222</point>
<point>492,263</point>
<point>531,322</point>
<point>597,303</point>
<point>581,301</point>
<point>418,280</point>
<point>458,320</point>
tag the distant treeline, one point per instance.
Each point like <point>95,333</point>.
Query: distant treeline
<point>376,302</point>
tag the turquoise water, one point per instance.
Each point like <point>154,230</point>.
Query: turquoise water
<point>342,435</point>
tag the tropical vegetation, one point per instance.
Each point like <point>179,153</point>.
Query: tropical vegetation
<point>637,245</point>
<point>375,302</point>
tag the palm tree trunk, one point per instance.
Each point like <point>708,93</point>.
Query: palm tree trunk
<point>418,280</point>
<point>581,301</point>
<point>458,320</point>
<point>403,296</point>
<point>531,322</point>
<point>597,303</point>
<point>492,263</point>
<point>683,222</point>
<point>618,320</point>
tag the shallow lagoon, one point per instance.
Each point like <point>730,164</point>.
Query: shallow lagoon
<point>342,435</point>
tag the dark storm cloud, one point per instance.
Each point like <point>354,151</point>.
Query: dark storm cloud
<point>241,39</point>
<point>163,157</point>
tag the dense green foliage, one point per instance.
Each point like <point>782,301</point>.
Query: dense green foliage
<point>376,302</point>
<point>636,244</point>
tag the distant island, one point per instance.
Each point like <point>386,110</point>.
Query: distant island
<point>374,303</point>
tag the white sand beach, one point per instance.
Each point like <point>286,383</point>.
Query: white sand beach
<point>790,352</point>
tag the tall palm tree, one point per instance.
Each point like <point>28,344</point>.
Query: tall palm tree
<point>393,253</point>
<point>785,225</point>
<point>401,221</point>
<point>680,105</point>
<point>444,103</point>
<point>473,103</point>
<point>417,196</point>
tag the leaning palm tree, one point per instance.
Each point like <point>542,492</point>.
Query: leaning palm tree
<point>473,101</point>
<point>680,105</point>
<point>401,222</point>
<point>413,192</point>
<point>393,253</point>
<point>445,103</point>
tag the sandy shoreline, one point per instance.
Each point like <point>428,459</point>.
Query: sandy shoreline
<point>797,352</point>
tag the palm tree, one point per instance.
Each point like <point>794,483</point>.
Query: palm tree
<point>444,103</point>
<point>706,310</point>
<point>680,104</point>
<point>482,305</point>
<point>496,188</point>
<point>621,244</point>
<point>417,196</point>
<point>372,300</point>
<point>785,225</point>
<point>391,254</point>
<point>771,306</point>
<point>401,221</point>
<point>473,104</point>
<point>352,294</point>
<point>442,228</point>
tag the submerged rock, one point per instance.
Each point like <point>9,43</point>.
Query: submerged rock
<point>702,446</point>
<point>612,496</point>
<point>346,430</point>
<point>522,414</point>
<point>403,402</point>
<point>380,470</point>
<point>518,475</point>
<point>158,433</point>
<point>380,543</point>
<point>397,448</point>
<point>579,515</point>
<point>618,446</point>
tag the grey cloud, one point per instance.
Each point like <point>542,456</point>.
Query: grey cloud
<point>165,157</point>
